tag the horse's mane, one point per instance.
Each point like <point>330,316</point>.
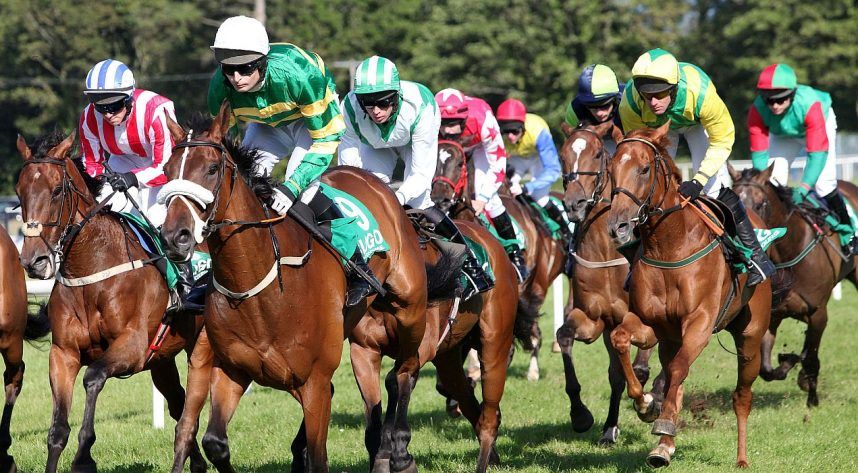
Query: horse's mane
<point>245,158</point>
<point>648,134</point>
<point>784,193</point>
<point>44,144</point>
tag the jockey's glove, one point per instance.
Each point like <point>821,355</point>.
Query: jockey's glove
<point>121,181</point>
<point>690,189</point>
<point>799,193</point>
<point>282,199</point>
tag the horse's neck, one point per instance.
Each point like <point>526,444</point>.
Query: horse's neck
<point>100,243</point>
<point>595,241</point>
<point>676,235</point>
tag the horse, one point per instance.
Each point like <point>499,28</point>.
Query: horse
<point>813,268</point>
<point>285,330</point>
<point>452,187</point>
<point>597,305</point>
<point>483,322</point>
<point>679,286</point>
<point>99,321</point>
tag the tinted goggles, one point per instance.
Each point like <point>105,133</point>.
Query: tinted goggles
<point>657,95</point>
<point>111,107</point>
<point>243,69</point>
<point>381,102</point>
<point>777,100</point>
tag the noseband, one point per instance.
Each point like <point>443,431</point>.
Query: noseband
<point>645,208</point>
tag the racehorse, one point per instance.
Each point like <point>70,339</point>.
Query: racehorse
<point>815,265</point>
<point>100,321</point>
<point>452,187</point>
<point>278,316</point>
<point>598,305</point>
<point>483,322</point>
<point>15,327</point>
<point>679,287</point>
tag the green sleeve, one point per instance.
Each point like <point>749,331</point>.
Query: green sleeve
<point>813,167</point>
<point>760,159</point>
<point>217,93</point>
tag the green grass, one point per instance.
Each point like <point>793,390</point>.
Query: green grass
<point>535,435</point>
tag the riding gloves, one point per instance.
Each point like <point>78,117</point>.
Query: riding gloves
<point>799,193</point>
<point>690,189</point>
<point>282,199</point>
<point>121,181</point>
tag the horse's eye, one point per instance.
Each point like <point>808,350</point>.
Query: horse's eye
<point>57,191</point>
<point>645,169</point>
<point>213,169</point>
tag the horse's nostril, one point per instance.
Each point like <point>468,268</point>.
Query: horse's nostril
<point>183,237</point>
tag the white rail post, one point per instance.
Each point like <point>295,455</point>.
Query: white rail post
<point>157,409</point>
<point>557,287</point>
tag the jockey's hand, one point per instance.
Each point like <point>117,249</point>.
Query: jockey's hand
<point>799,193</point>
<point>121,181</point>
<point>282,199</point>
<point>690,189</point>
<point>515,187</point>
<point>478,206</point>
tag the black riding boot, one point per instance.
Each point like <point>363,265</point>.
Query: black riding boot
<point>559,215</point>
<point>503,224</point>
<point>838,206</point>
<point>760,267</point>
<point>444,226</point>
<point>359,287</point>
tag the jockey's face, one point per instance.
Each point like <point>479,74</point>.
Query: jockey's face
<point>452,129</point>
<point>658,102</point>
<point>779,106</point>
<point>242,83</point>
<point>116,118</point>
<point>602,112</point>
<point>513,135</point>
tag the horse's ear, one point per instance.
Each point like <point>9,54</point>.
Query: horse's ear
<point>566,129</point>
<point>62,149</point>
<point>660,135</point>
<point>766,174</point>
<point>734,174</point>
<point>176,130</point>
<point>602,129</point>
<point>23,148</point>
<point>220,125</point>
<point>617,134</point>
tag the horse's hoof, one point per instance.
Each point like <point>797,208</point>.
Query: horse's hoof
<point>659,457</point>
<point>742,464</point>
<point>533,374</point>
<point>411,467</point>
<point>812,399</point>
<point>652,411</point>
<point>453,409</point>
<point>610,436</point>
<point>664,427</point>
<point>381,465</point>
<point>582,420</point>
<point>84,468</point>
<point>494,458</point>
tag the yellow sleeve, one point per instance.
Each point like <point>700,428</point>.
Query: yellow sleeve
<point>631,120</point>
<point>718,123</point>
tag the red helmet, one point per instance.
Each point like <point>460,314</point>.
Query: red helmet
<point>511,110</point>
<point>452,104</point>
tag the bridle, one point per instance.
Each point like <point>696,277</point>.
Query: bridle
<point>764,206</point>
<point>599,187</point>
<point>645,207</point>
<point>459,185</point>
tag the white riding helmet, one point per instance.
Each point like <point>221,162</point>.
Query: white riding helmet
<point>109,78</point>
<point>239,40</point>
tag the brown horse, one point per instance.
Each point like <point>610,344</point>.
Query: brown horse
<point>451,190</point>
<point>484,322</point>
<point>813,275</point>
<point>15,327</point>
<point>106,325</point>
<point>597,302</point>
<point>679,287</point>
<point>286,329</point>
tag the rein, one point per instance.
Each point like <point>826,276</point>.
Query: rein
<point>462,183</point>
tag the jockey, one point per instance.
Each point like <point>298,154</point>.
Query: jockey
<point>787,118</point>
<point>289,100</point>
<point>388,120</point>
<point>530,149</point>
<point>663,90</point>
<point>127,127</point>
<point>470,122</point>
<point>598,100</point>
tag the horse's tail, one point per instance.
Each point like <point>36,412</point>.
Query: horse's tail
<point>443,276</point>
<point>526,316</point>
<point>38,324</point>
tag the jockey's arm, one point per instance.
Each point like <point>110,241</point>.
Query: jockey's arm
<point>424,155</point>
<point>759,136</point>
<point>492,143</point>
<point>631,119</point>
<point>162,147</point>
<point>348,153</point>
<point>718,124</point>
<point>550,163</point>
<point>93,153</point>
<point>816,143</point>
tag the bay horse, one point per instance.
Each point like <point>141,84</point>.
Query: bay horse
<point>598,304</point>
<point>452,187</point>
<point>286,328</point>
<point>15,327</point>
<point>105,325</point>
<point>679,287</point>
<point>484,322</point>
<point>814,263</point>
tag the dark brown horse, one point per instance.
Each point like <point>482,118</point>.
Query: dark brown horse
<point>451,190</point>
<point>598,305</point>
<point>279,322</point>
<point>484,322</point>
<point>106,325</point>
<point>813,275</point>
<point>15,326</point>
<point>679,287</point>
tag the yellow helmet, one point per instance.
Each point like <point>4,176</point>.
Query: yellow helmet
<point>655,71</point>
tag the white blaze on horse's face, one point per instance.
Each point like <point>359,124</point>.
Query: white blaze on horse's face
<point>36,175</point>
<point>578,146</point>
<point>625,157</point>
<point>444,155</point>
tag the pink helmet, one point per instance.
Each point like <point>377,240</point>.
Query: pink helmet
<point>511,110</point>
<point>452,104</point>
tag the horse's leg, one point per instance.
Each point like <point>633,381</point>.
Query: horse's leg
<point>611,430</point>
<point>580,416</point>
<point>226,392</point>
<point>536,340</point>
<point>366,366</point>
<point>767,371</point>
<point>809,374</point>
<point>494,352</point>
<point>632,330</point>
<point>749,357</point>
<point>641,365</point>
<point>199,379</point>
<point>385,449</point>
<point>13,377</point>
<point>315,396</point>
<point>400,459</point>
<point>64,367</point>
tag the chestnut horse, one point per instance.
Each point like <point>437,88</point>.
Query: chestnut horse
<point>545,257</point>
<point>483,322</point>
<point>15,327</point>
<point>286,329</point>
<point>679,287</point>
<point>105,324</point>
<point>598,305</point>
<point>815,265</point>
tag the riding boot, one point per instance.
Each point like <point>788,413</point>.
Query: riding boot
<point>444,226</point>
<point>838,206</point>
<point>559,215</point>
<point>760,267</point>
<point>190,298</point>
<point>359,287</point>
<point>503,225</point>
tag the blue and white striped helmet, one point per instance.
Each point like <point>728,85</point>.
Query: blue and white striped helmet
<point>110,77</point>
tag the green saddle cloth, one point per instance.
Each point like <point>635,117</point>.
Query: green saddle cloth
<point>553,226</point>
<point>766,236</point>
<point>518,241</point>
<point>358,229</point>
